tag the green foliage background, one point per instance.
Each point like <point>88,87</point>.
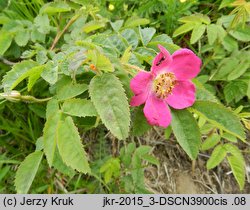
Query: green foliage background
<point>65,65</point>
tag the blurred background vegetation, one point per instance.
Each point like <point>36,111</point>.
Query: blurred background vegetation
<point>218,31</point>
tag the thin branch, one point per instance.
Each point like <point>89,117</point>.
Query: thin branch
<point>15,96</point>
<point>7,62</point>
<point>32,99</point>
<point>59,34</point>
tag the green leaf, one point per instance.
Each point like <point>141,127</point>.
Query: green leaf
<point>101,62</point>
<point>63,81</point>
<point>217,156</point>
<point>93,25</point>
<point>207,128</point>
<point>143,150</point>
<point>184,29</point>
<point>248,90</point>
<point>237,163</point>
<point>86,44</point>
<point>42,23</point>
<point>221,33</point>
<point>55,7</point>
<point>137,171</point>
<point>186,131</point>
<point>210,142</point>
<point>225,3</point>
<point>22,37</point>
<point>70,146</point>
<point>60,165</point>
<point>201,121</point>
<point>229,137</point>
<point>145,54</point>
<point>28,54</point>
<point>39,144</point>
<point>33,72</point>
<point>229,43</point>
<point>140,124</point>
<point>5,41</point>
<point>202,93</point>
<point>151,159</point>
<point>19,69</point>
<point>238,169</point>
<point>36,36</point>
<point>27,172</point>
<point>241,34</point>
<point>162,38</point>
<point>167,133</point>
<point>242,67</point>
<point>41,57</point>
<point>221,117</point>
<point>50,133</point>
<point>32,79</point>
<point>197,32</point>
<point>226,66</point>
<point>4,171</point>
<point>4,19</point>
<point>211,33</point>
<point>195,18</point>
<point>79,107</point>
<point>146,35</point>
<point>117,43</point>
<point>235,90</point>
<point>126,55</point>
<point>136,21</point>
<point>117,25</point>
<point>52,108</point>
<point>70,91</point>
<point>126,153</point>
<point>111,103</point>
<point>190,19</point>
<point>131,37</point>
<point>50,73</point>
<point>170,47</point>
<point>235,151</point>
<point>110,168</point>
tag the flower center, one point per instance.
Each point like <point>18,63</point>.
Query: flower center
<point>164,84</point>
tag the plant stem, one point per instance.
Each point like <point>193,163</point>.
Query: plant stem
<point>7,62</point>
<point>60,33</point>
<point>32,99</point>
<point>15,96</point>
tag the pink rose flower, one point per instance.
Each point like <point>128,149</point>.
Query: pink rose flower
<point>168,83</point>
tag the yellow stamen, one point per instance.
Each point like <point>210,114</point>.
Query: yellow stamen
<point>164,84</point>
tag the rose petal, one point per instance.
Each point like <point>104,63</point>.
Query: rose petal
<point>140,85</point>
<point>183,95</point>
<point>138,100</point>
<point>185,65</point>
<point>161,61</point>
<point>157,112</point>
